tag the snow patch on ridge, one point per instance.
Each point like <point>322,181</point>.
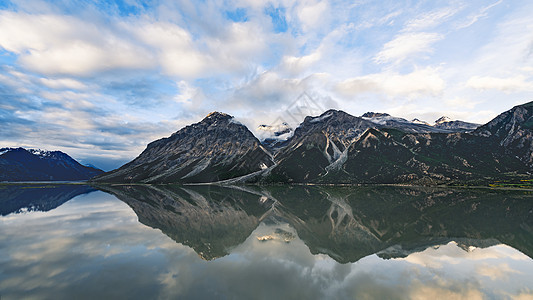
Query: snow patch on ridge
<point>443,119</point>
<point>321,118</point>
<point>383,120</point>
<point>417,121</point>
<point>39,152</point>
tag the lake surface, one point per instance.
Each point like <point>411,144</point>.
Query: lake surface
<point>210,242</point>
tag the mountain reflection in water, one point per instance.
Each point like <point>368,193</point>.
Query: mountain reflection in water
<point>346,223</point>
<point>37,197</point>
<point>251,242</point>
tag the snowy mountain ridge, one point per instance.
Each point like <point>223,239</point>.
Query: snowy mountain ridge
<point>19,164</point>
<point>338,148</point>
<point>443,124</point>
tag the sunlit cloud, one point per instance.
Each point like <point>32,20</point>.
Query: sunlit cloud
<point>407,44</point>
<point>426,81</point>
<point>517,83</point>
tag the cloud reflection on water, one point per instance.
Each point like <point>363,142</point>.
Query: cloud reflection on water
<point>94,246</point>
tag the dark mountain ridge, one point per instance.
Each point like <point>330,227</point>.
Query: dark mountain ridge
<point>19,164</point>
<point>337,147</point>
<point>217,148</point>
<point>512,130</point>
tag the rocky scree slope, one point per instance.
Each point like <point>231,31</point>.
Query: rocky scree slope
<point>215,149</point>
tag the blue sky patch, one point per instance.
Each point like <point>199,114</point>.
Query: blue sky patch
<point>237,15</point>
<point>278,18</point>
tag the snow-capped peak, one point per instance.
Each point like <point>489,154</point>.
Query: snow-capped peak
<point>217,114</point>
<point>321,118</point>
<point>443,119</point>
<point>39,152</point>
<point>382,119</point>
<point>418,121</point>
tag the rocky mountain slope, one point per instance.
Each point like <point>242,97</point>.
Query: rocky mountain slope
<point>19,164</point>
<point>337,147</point>
<point>381,154</point>
<point>392,156</point>
<point>215,149</point>
<point>512,130</point>
<point>317,143</point>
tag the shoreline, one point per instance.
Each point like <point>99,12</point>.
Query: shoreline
<point>93,184</point>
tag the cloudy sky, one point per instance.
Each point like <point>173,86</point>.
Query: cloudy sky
<point>100,79</point>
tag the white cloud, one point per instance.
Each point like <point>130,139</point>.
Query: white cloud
<point>271,99</point>
<point>63,83</point>
<point>435,292</point>
<point>64,45</point>
<point>405,45</point>
<point>509,84</point>
<point>461,103</point>
<point>270,88</point>
<point>479,15</point>
<point>422,82</point>
<point>431,19</point>
<point>379,21</point>
<point>507,51</point>
<point>524,295</point>
<point>241,46</point>
<point>166,65</point>
<point>189,96</point>
<point>313,14</point>
<point>173,46</point>
<point>501,271</point>
<point>296,65</point>
<point>52,44</point>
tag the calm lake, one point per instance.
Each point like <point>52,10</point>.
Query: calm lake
<point>249,242</point>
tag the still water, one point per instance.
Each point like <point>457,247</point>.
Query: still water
<point>209,242</point>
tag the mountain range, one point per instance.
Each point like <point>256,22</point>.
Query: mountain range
<point>338,148</point>
<point>19,164</point>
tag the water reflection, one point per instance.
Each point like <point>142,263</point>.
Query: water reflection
<point>276,242</point>
<point>37,197</point>
<point>211,220</point>
<point>345,223</point>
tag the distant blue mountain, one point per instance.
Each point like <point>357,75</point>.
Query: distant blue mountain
<point>19,164</point>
